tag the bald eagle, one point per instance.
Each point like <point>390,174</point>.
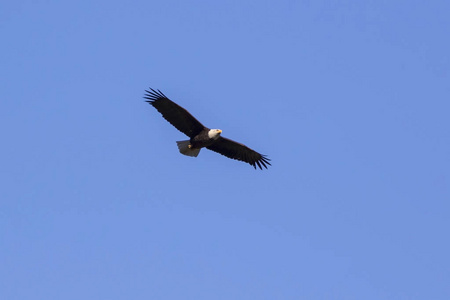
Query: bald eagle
<point>201,136</point>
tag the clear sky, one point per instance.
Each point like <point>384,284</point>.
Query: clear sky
<point>350,100</point>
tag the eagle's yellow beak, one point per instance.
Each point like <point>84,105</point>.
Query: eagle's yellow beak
<point>220,131</point>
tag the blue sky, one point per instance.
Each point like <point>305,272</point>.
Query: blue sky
<point>350,100</point>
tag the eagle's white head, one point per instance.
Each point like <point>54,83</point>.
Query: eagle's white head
<point>214,133</point>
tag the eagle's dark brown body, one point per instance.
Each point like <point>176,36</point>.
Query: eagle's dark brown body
<point>202,139</point>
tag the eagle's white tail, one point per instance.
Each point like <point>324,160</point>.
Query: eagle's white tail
<point>183,146</point>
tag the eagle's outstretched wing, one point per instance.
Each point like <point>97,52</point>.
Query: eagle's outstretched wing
<point>240,152</point>
<point>175,114</point>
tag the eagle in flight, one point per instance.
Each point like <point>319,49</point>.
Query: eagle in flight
<point>201,136</point>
